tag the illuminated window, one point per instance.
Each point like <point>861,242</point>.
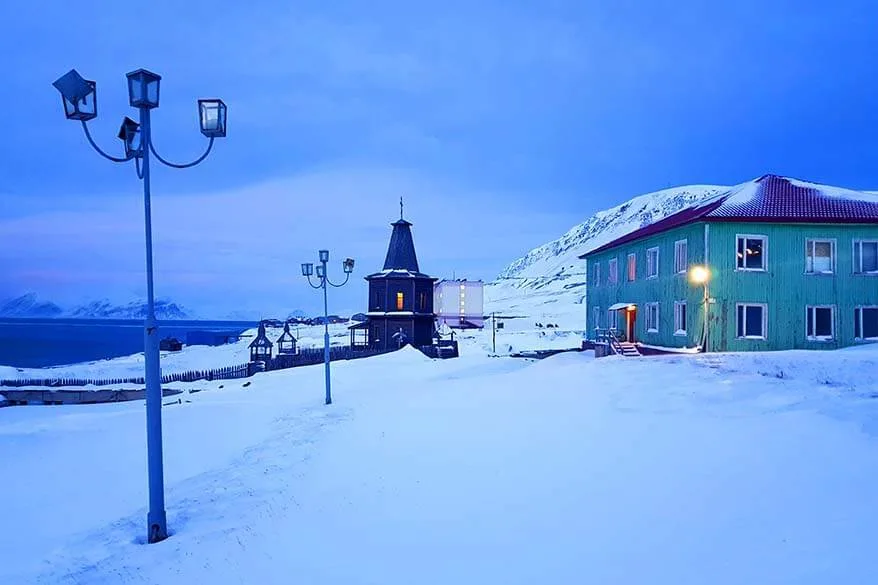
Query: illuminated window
<point>399,300</point>
<point>751,252</point>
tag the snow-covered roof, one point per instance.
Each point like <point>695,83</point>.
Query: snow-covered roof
<point>769,198</point>
<point>398,273</point>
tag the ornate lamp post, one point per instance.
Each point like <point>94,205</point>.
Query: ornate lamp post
<point>701,275</point>
<point>322,281</point>
<point>79,97</point>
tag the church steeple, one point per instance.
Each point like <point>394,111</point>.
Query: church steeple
<point>401,252</point>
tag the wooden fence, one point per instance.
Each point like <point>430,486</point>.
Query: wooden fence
<point>229,373</point>
<point>303,357</point>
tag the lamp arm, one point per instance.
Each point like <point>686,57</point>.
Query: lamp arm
<point>137,168</point>
<point>183,166</point>
<point>346,278</point>
<point>315,286</point>
<point>98,148</point>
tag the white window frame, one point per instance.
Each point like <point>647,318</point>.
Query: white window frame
<point>628,278</point>
<point>596,273</point>
<point>681,266</point>
<point>613,271</point>
<point>678,321</point>
<point>650,306</point>
<point>764,306</point>
<point>764,238</point>
<point>810,308</point>
<point>810,243</point>
<point>860,309</point>
<point>858,270</point>
<point>655,265</point>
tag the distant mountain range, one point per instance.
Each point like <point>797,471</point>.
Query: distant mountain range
<point>29,305</point>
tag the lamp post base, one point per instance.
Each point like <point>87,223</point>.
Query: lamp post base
<point>158,526</point>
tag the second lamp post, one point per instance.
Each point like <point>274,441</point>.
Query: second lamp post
<point>322,282</point>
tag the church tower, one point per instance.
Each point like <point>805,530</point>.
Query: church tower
<point>400,296</point>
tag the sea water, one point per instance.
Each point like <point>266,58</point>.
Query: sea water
<point>33,343</point>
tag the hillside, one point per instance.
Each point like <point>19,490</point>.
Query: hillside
<point>548,283</point>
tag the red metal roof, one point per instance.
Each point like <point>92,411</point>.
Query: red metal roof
<point>768,199</point>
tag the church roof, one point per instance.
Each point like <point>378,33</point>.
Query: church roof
<point>401,260</point>
<point>401,252</point>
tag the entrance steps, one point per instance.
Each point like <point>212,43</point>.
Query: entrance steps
<point>628,349</point>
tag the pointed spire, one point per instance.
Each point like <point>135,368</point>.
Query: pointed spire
<point>401,252</point>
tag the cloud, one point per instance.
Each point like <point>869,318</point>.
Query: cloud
<point>242,248</point>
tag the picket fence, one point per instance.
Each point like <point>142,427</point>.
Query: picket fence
<point>303,357</point>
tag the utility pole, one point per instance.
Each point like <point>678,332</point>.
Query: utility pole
<point>494,332</point>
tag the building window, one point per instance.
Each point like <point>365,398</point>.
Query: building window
<point>819,256</point>
<point>596,317</point>
<point>422,302</point>
<point>820,323</point>
<point>681,256</point>
<point>751,252</point>
<point>632,267</point>
<point>612,271</point>
<point>376,299</point>
<point>752,321</point>
<point>652,259</point>
<point>611,319</point>
<point>596,273</point>
<point>866,323</point>
<point>399,301</point>
<point>865,257</point>
<point>680,318</point>
<point>652,317</point>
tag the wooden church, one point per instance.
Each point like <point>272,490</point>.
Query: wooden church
<point>400,308</point>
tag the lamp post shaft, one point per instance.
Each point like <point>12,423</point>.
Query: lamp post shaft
<point>706,317</point>
<point>156,518</point>
<point>326,335</point>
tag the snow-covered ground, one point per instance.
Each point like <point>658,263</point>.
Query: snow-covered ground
<point>516,335</point>
<point>191,357</point>
<point>756,468</point>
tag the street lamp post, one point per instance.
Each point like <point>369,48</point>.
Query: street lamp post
<point>322,282</point>
<point>701,275</point>
<point>79,97</point>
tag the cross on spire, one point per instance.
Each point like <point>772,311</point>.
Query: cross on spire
<point>400,207</point>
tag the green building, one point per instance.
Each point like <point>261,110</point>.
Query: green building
<point>775,263</point>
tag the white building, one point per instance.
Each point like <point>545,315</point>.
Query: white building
<point>459,303</point>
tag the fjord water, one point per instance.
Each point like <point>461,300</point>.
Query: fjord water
<point>33,343</point>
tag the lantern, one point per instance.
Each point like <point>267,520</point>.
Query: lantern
<point>212,117</point>
<point>143,89</point>
<point>348,265</point>
<point>129,134</point>
<point>78,95</point>
<point>307,269</point>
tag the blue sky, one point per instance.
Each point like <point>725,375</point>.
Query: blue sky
<point>503,124</point>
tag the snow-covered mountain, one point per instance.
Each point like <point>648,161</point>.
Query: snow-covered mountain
<point>29,305</point>
<point>104,309</point>
<point>548,283</point>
